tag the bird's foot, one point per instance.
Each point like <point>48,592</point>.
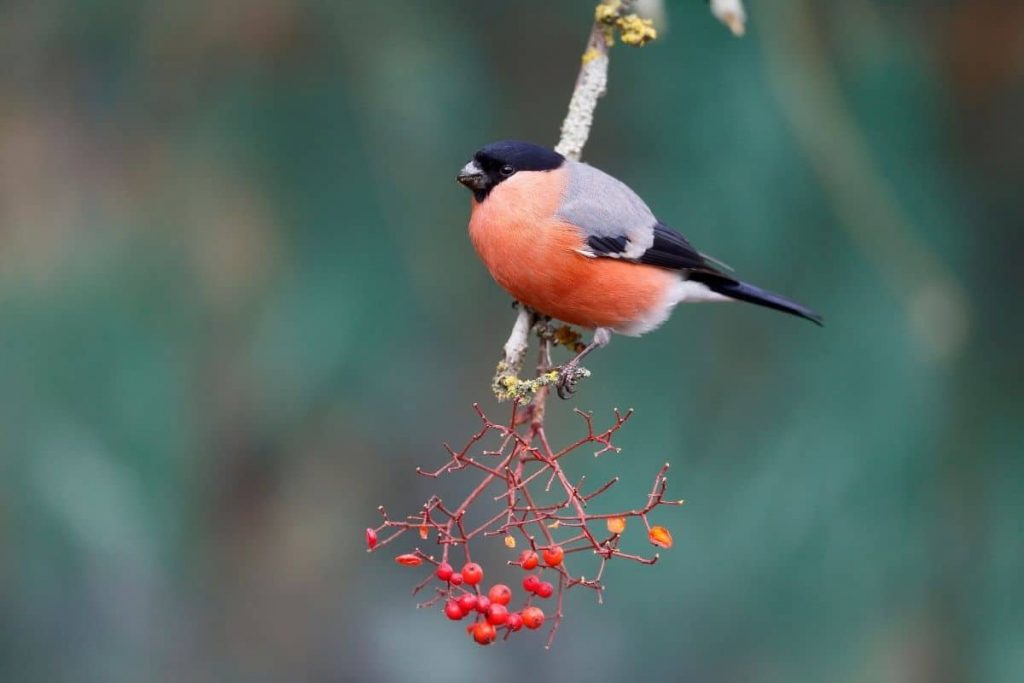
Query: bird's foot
<point>569,376</point>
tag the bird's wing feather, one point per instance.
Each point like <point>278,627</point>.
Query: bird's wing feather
<point>671,250</point>
<point>618,224</point>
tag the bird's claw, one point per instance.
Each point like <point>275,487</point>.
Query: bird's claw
<point>569,376</point>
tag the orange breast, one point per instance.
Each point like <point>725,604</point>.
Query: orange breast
<point>536,258</point>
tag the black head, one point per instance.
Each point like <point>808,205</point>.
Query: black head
<point>499,161</point>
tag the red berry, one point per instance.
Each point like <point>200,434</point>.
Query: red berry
<point>531,583</point>
<point>371,539</point>
<point>409,560</point>
<point>500,594</point>
<point>453,610</point>
<point>515,621</point>
<point>533,617</point>
<point>545,590</point>
<point>444,571</point>
<point>482,603</point>
<point>472,573</point>
<point>467,601</point>
<point>484,633</point>
<point>553,555</point>
<point>528,559</point>
<point>455,579</point>
<point>497,614</point>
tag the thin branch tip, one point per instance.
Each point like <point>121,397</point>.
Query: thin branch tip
<point>731,13</point>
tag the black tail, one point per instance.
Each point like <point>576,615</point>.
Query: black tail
<point>741,291</point>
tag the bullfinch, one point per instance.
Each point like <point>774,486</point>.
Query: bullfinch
<point>571,242</point>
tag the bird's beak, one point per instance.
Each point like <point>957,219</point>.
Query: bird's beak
<point>472,176</point>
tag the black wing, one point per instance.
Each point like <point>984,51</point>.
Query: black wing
<point>672,250</point>
<point>669,250</point>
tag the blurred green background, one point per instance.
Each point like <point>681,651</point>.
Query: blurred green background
<point>238,306</point>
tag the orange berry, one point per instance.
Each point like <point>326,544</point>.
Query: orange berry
<point>485,633</point>
<point>500,594</point>
<point>467,602</point>
<point>533,617</point>
<point>515,621</point>
<point>553,555</point>
<point>472,573</point>
<point>497,614</point>
<point>528,560</point>
<point>482,604</point>
<point>453,611</point>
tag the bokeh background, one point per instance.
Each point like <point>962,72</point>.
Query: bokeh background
<point>238,306</point>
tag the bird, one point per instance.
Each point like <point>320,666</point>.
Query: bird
<point>571,242</point>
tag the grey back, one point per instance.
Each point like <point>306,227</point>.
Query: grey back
<point>606,207</point>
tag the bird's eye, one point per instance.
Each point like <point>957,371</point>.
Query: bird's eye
<point>507,170</point>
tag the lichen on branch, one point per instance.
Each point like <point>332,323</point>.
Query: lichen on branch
<point>634,29</point>
<point>506,384</point>
<point>610,16</point>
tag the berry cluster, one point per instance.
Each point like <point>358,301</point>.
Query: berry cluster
<point>523,467</point>
<point>462,595</point>
<point>492,610</point>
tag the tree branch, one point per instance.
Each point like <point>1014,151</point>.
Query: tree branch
<point>610,16</point>
<point>732,14</point>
